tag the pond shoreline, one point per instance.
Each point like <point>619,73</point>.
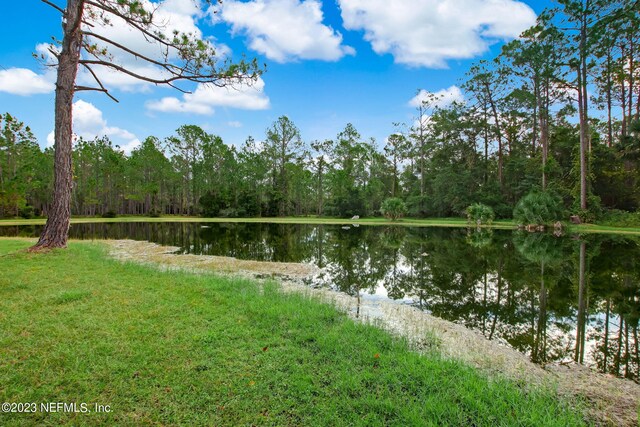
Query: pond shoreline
<point>612,401</point>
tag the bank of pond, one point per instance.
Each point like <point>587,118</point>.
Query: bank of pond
<point>573,298</point>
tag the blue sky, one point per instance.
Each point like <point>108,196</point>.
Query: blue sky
<point>328,63</point>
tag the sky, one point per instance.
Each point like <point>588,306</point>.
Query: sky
<point>328,63</point>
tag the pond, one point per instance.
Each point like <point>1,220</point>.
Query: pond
<point>555,299</point>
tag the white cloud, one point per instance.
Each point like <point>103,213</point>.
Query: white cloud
<point>234,124</point>
<point>206,97</point>
<point>87,118</point>
<point>89,123</point>
<point>439,99</point>
<point>285,30</point>
<point>22,81</point>
<point>429,32</point>
<point>50,139</point>
<point>172,104</point>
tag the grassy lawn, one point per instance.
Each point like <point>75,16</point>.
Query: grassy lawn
<point>428,222</point>
<point>172,348</point>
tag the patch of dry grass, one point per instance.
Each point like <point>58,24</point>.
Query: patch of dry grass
<point>164,256</point>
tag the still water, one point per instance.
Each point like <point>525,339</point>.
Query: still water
<point>567,299</point>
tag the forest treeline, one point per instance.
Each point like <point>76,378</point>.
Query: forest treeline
<point>557,111</point>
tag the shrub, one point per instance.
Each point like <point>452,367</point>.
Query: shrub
<point>593,211</point>
<point>417,206</point>
<point>154,213</point>
<point>349,204</point>
<point>26,212</point>
<point>538,208</point>
<point>210,205</point>
<point>393,208</point>
<point>618,218</point>
<point>232,213</point>
<point>479,214</point>
<point>109,214</point>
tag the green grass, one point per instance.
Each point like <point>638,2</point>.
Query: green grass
<point>427,222</point>
<point>172,348</point>
<point>604,229</point>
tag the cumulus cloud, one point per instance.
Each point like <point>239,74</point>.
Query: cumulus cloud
<point>439,99</point>
<point>89,123</point>
<point>22,81</point>
<point>427,33</point>
<point>284,30</point>
<point>206,97</point>
<point>171,104</point>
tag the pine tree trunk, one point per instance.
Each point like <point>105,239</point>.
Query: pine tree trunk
<point>583,107</point>
<point>543,114</point>
<point>631,77</point>
<point>609,101</point>
<point>623,105</point>
<point>56,230</point>
<point>496,117</point>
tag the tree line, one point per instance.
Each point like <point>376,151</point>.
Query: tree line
<point>557,111</point>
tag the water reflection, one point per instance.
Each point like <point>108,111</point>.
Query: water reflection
<point>554,299</point>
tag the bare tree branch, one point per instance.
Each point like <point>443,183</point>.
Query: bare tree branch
<point>87,88</point>
<point>214,79</point>
<point>55,6</point>
<point>179,89</point>
<point>102,88</point>
<point>53,52</point>
<point>165,65</point>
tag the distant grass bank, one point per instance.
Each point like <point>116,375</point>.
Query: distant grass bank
<point>172,348</point>
<point>435,222</point>
<point>428,222</point>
